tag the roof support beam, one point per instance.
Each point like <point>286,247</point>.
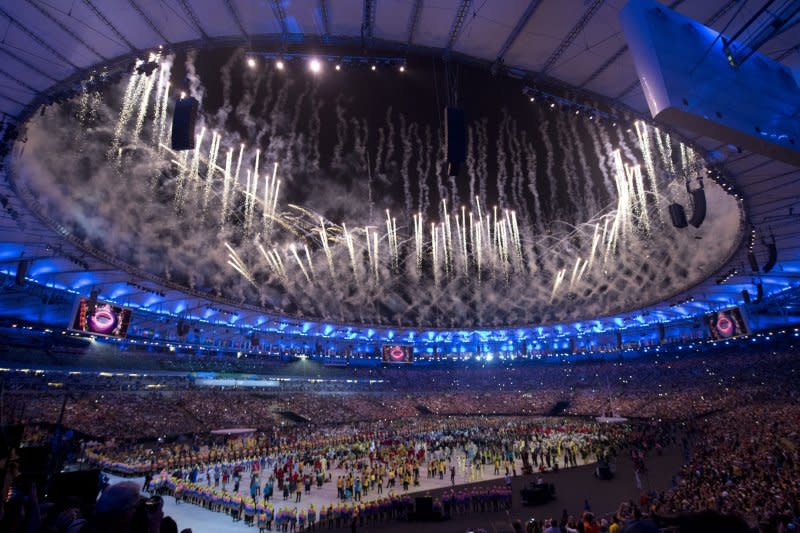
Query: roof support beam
<point>613,59</point>
<point>572,35</point>
<point>413,21</point>
<point>27,63</point>
<point>13,100</point>
<point>149,22</point>
<point>708,22</point>
<point>66,30</point>
<point>235,16</point>
<point>458,24</point>
<point>193,17</point>
<point>19,82</point>
<point>523,20</point>
<point>38,39</point>
<point>324,18</point>
<point>99,14</point>
<point>280,14</point>
<point>367,22</point>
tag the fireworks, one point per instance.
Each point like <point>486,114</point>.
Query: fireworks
<point>466,255</point>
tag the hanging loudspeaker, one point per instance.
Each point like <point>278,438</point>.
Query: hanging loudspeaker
<point>772,256</point>
<point>22,271</point>
<point>678,215</point>
<point>456,139</point>
<point>183,123</point>
<point>751,257</point>
<point>698,207</point>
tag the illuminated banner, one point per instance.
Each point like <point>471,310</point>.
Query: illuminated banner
<point>395,353</point>
<point>727,324</point>
<point>101,318</point>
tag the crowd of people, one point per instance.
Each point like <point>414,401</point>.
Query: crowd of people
<point>413,425</point>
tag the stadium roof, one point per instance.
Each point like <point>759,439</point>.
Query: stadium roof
<point>575,42</point>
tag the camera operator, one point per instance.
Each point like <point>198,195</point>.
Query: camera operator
<point>121,509</point>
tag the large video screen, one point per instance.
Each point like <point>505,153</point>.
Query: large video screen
<point>396,353</point>
<point>101,318</point>
<point>727,324</point>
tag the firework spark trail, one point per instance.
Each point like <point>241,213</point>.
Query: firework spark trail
<point>471,170</point>
<point>609,168</point>
<point>422,177</point>
<point>559,278</point>
<point>574,273</point>
<point>211,166</point>
<point>441,167</point>
<point>483,166</point>
<point>379,151</point>
<point>516,166</point>
<point>418,238</point>
<point>350,250</point>
<point>314,129</point>
<point>323,235</point>
<point>500,158</point>
<point>300,263</point>
<point>376,256</point>
<point>525,173</point>
<point>666,151</point>
<point>595,237</point>
<point>252,191</point>
<point>236,262</point>
<point>517,239</point>
<point>462,252</point>
<point>407,151</point>
<point>626,139</point>
<point>435,254</point>
<point>518,139</point>
<point>589,199</point>
<point>390,147</point>
<point>161,88</point>
<point>294,137</point>
<point>162,122</point>
<point>642,191</point>
<point>276,142</point>
<point>226,188</point>
<point>567,165</point>
<point>266,211</point>
<point>425,195</point>
<point>308,259</point>
<point>643,135</point>
<point>245,110</point>
<point>369,249</point>
<point>246,196</point>
<point>550,166</point>
<point>114,152</point>
<point>341,135</point>
<point>602,162</point>
<point>530,163</point>
<point>359,146</point>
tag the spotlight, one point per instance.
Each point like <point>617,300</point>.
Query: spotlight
<point>279,65</point>
<point>552,105</point>
<point>315,66</point>
<point>183,95</point>
<point>338,67</point>
<point>533,99</point>
<point>402,68</point>
<point>374,67</point>
<point>251,62</point>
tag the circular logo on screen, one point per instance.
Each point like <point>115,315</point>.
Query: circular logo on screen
<point>725,326</point>
<point>396,353</point>
<point>104,319</point>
